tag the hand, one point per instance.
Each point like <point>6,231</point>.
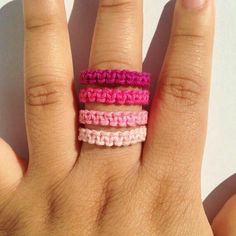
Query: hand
<point>68,188</point>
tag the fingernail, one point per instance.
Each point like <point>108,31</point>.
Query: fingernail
<point>193,4</point>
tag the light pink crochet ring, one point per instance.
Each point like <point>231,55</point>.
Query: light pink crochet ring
<point>114,96</point>
<point>119,138</point>
<point>113,119</point>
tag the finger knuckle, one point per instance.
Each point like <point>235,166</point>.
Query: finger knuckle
<point>46,94</point>
<point>184,33</point>
<point>56,201</point>
<point>32,25</point>
<point>189,36</point>
<point>43,18</point>
<point>183,83</point>
<point>117,5</point>
<point>111,63</point>
<point>38,23</point>
<point>168,194</point>
<point>181,92</point>
<point>170,181</point>
<point>9,222</point>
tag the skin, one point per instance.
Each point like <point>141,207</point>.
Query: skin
<point>69,188</point>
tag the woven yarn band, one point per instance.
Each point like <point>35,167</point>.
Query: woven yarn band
<point>114,96</point>
<point>113,119</point>
<point>119,138</point>
<point>115,77</point>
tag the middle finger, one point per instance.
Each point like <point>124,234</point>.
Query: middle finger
<point>116,45</point>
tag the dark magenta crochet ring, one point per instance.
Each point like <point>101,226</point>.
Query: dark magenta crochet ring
<point>115,77</point>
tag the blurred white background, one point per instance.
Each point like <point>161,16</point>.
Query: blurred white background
<point>219,166</point>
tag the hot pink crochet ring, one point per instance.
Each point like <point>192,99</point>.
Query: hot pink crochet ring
<point>113,119</point>
<point>119,138</point>
<point>115,77</point>
<point>114,96</point>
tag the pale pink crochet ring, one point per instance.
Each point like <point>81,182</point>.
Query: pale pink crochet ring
<point>114,96</point>
<point>119,138</point>
<point>115,77</point>
<point>113,119</point>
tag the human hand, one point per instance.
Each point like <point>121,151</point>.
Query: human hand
<point>68,188</point>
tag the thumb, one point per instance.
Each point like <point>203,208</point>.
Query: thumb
<point>224,222</point>
<point>11,169</point>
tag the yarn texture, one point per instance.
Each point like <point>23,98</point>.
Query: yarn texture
<point>119,138</point>
<point>114,96</point>
<point>115,77</point>
<point>113,119</point>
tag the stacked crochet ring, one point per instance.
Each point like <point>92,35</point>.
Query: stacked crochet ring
<point>108,95</point>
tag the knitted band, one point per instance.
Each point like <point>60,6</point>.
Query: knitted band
<point>114,119</point>
<point>114,96</point>
<point>119,138</point>
<point>115,77</point>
